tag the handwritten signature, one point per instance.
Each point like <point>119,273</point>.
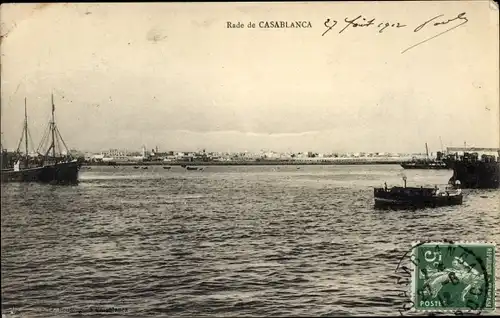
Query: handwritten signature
<point>362,22</point>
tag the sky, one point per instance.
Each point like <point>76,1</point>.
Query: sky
<point>173,75</point>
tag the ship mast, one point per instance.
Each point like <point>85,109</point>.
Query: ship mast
<point>426,151</point>
<point>26,133</point>
<point>52,136</point>
<point>53,129</point>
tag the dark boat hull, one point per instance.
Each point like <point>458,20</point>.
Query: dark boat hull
<point>431,166</point>
<point>476,175</point>
<point>60,173</point>
<point>383,203</point>
<point>416,200</point>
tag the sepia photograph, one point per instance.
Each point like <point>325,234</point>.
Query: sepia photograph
<point>253,159</point>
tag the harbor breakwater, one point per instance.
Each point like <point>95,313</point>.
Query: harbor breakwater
<point>250,163</point>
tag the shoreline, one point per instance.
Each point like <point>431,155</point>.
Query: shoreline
<point>247,163</point>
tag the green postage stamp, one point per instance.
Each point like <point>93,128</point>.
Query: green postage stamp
<point>453,276</point>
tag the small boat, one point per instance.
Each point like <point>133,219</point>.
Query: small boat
<point>201,169</point>
<point>168,168</point>
<point>191,168</point>
<point>416,197</point>
<point>136,167</point>
<point>144,167</point>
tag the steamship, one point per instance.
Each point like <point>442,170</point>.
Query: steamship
<point>474,171</point>
<point>47,167</point>
<point>426,163</point>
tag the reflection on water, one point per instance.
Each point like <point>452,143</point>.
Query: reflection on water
<point>224,241</point>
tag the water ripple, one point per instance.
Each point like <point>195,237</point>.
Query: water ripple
<point>228,241</point>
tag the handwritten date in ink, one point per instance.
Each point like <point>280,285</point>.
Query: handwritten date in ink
<point>360,22</point>
<point>437,23</point>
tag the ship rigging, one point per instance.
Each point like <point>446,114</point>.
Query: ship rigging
<point>43,168</point>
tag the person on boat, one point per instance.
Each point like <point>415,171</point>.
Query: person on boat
<point>457,187</point>
<point>436,190</point>
<point>451,181</point>
<point>385,186</point>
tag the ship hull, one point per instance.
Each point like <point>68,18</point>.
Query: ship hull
<point>415,199</point>
<point>60,173</point>
<point>388,203</point>
<point>432,166</point>
<point>476,175</point>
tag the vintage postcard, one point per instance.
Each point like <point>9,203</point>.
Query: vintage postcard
<point>250,158</point>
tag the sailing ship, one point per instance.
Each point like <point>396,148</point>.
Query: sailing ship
<point>44,167</point>
<point>426,163</point>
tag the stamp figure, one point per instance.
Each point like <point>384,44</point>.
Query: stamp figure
<point>454,277</point>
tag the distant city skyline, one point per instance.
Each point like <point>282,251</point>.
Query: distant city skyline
<point>157,149</point>
<point>178,79</point>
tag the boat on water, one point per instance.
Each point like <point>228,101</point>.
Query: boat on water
<point>47,167</point>
<point>427,163</point>
<point>168,168</point>
<point>416,197</point>
<point>191,168</point>
<point>424,164</point>
<point>474,171</point>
